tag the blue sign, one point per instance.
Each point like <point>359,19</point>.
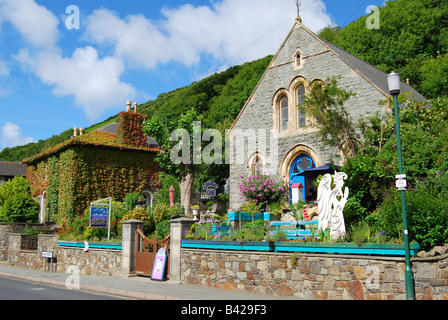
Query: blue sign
<point>98,217</point>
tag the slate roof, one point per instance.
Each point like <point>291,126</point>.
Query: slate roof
<point>372,74</point>
<point>12,169</point>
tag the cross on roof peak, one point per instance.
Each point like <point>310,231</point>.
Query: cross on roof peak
<point>298,4</point>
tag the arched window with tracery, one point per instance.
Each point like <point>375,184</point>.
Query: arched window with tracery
<point>284,113</point>
<point>301,117</point>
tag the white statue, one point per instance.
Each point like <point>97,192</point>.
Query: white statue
<point>323,200</point>
<point>331,204</point>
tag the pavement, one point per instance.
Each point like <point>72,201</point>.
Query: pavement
<point>138,288</point>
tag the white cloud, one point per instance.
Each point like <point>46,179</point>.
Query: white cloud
<point>11,136</point>
<point>37,24</point>
<point>93,82</point>
<point>222,30</point>
<point>242,30</point>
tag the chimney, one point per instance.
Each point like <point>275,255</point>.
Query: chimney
<point>135,107</point>
<point>81,131</point>
<point>128,104</point>
<point>75,131</point>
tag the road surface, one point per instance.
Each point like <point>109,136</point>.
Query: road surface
<point>11,289</point>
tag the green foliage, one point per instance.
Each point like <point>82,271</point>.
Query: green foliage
<point>83,174</point>
<point>251,207</point>
<point>163,229</point>
<point>163,193</point>
<point>21,152</point>
<point>131,200</point>
<point>12,187</point>
<point>434,75</point>
<point>326,104</point>
<point>254,231</point>
<point>79,229</point>
<point>20,208</point>
<point>371,174</point>
<point>426,208</point>
<point>142,215</point>
<point>296,210</point>
<point>160,212</point>
<point>412,36</point>
<point>263,189</point>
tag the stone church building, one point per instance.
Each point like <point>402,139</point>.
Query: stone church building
<point>276,137</point>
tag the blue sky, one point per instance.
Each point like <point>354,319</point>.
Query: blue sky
<point>56,75</point>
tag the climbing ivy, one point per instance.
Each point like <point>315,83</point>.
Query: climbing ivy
<point>84,173</point>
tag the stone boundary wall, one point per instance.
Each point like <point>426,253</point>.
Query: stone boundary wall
<point>98,262</point>
<point>9,228</point>
<point>315,276</point>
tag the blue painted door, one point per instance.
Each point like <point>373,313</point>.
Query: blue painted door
<point>301,164</point>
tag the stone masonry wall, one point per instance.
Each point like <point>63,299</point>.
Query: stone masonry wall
<point>98,262</point>
<point>315,277</point>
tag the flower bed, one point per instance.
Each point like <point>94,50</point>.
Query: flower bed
<point>391,249</point>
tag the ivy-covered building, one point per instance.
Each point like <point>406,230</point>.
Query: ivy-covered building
<point>108,162</point>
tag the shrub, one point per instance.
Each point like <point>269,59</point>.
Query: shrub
<point>254,231</point>
<point>160,212</point>
<point>163,229</point>
<point>20,208</point>
<point>263,189</point>
<point>131,200</point>
<point>13,187</point>
<point>142,215</point>
<point>426,210</point>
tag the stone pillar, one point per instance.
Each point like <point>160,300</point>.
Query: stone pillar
<point>179,227</point>
<point>129,251</point>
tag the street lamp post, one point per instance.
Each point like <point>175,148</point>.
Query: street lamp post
<point>394,83</point>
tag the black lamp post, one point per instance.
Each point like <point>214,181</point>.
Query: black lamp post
<point>394,83</point>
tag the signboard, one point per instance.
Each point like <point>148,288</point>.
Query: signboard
<point>158,270</point>
<point>210,188</point>
<point>401,182</point>
<point>98,217</point>
<point>100,214</point>
<point>47,254</point>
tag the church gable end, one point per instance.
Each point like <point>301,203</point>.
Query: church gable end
<point>302,60</point>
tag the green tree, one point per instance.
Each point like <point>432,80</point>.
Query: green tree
<point>10,188</point>
<point>326,105</point>
<point>435,76</point>
<point>410,33</point>
<point>178,157</point>
<point>371,174</point>
<point>20,208</point>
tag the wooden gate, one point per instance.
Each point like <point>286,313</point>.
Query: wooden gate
<point>146,253</point>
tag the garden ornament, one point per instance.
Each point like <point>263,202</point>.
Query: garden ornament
<point>331,203</point>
